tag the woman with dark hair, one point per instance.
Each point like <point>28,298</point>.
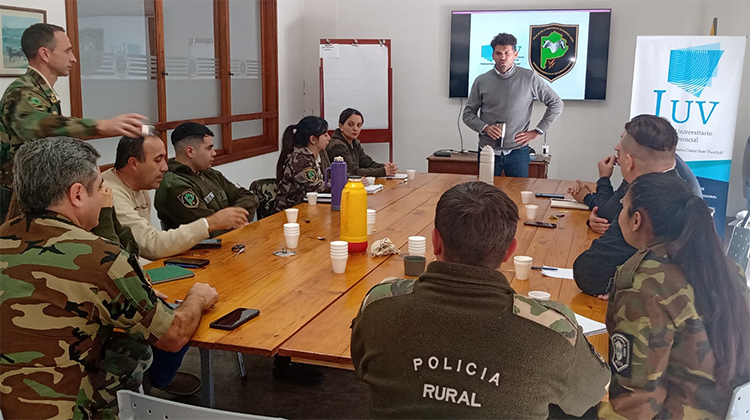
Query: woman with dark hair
<point>678,312</point>
<point>344,143</point>
<point>302,161</point>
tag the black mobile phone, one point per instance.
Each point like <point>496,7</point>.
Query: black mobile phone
<point>540,224</point>
<point>208,243</point>
<point>234,319</point>
<point>187,262</point>
<point>442,154</point>
<point>549,195</point>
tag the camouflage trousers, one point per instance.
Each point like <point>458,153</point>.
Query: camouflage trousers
<point>124,362</point>
<point>5,195</point>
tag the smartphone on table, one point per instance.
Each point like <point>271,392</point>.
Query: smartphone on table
<point>187,262</point>
<point>540,224</point>
<point>549,195</point>
<point>208,244</point>
<point>234,319</point>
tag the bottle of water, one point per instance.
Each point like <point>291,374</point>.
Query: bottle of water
<point>487,165</point>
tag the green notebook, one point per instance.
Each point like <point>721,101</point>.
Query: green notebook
<point>168,273</point>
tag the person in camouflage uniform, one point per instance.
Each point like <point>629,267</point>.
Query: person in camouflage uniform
<point>458,342</point>
<point>191,189</point>
<point>31,109</point>
<point>302,161</point>
<point>63,290</point>
<point>678,311</point>
<point>344,143</point>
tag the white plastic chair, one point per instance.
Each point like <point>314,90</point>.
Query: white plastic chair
<point>739,408</point>
<point>134,406</point>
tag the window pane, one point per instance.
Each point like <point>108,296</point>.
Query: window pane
<point>116,43</point>
<point>193,87</point>
<point>247,89</point>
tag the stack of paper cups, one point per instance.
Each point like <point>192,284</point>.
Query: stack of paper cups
<point>417,245</point>
<point>339,255</point>
<point>291,234</point>
<point>370,221</point>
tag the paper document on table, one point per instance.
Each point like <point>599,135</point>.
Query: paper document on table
<point>567,204</point>
<point>397,176</point>
<point>372,189</point>
<point>590,327</point>
<point>560,273</point>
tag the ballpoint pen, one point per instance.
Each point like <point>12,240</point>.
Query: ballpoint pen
<point>544,268</point>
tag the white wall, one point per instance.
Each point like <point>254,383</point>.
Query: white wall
<point>425,118</point>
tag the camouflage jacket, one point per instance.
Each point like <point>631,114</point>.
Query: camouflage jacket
<point>302,174</point>
<point>459,343</point>
<point>661,360</point>
<point>30,110</point>
<point>185,196</point>
<point>62,292</point>
<point>357,160</point>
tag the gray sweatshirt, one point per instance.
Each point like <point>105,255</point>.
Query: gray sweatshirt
<point>509,98</point>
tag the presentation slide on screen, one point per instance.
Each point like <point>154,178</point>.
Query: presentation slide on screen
<point>559,51</point>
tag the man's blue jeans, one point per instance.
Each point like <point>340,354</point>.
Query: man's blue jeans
<point>515,163</point>
<point>164,367</point>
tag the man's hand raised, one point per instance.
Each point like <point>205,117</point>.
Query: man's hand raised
<point>121,125</point>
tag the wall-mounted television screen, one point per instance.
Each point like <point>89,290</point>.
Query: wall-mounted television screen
<point>567,48</point>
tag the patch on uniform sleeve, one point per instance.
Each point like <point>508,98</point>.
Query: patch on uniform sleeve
<point>550,314</point>
<point>310,174</point>
<point>189,199</point>
<point>36,103</point>
<point>621,349</point>
<point>388,288</point>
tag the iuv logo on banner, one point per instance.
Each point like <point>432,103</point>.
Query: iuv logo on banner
<point>694,82</point>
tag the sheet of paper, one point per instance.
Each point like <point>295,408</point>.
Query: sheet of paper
<point>560,273</point>
<point>329,51</point>
<point>567,204</point>
<point>397,176</point>
<point>590,327</point>
<point>372,189</point>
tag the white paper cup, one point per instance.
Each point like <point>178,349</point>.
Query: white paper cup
<point>292,239</point>
<point>522,264</point>
<point>539,295</point>
<point>531,211</point>
<point>340,255</point>
<point>370,227</point>
<point>417,250</point>
<point>411,173</point>
<point>527,196</point>
<point>291,227</point>
<point>312,198</point>
<point>291,215</point>
<point>371,213</point>
<point>370,180</point>
<point>417,239</point>
<point>339,264</point>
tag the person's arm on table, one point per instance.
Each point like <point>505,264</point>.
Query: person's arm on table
<point>595,267</point>
<point>187,317</point>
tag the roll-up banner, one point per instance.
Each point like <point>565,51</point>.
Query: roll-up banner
<point>694,82</point>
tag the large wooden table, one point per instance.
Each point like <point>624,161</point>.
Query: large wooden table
<point>306,309</point>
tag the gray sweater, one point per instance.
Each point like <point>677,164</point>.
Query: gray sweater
<point>509,98</point>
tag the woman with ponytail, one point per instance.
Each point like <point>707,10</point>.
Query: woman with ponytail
<point>678,312</point>
<point>302,160</point>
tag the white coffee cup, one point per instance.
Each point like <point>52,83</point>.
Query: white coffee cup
<point>411,173</point>
<point>291,215</point>
<point>339,264</point>
<point>539,295</point>
<point>531,211</point>
<point>527,196</point>
<point>291,227</point>
<point>292,239</point>
<point>370,180</point>
<point>522,265</point>
<point>312,198</point>
<point>370,227</point>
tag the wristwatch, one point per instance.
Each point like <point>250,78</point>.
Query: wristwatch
<point>539,130</point>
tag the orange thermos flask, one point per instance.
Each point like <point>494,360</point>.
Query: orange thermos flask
<point>354,215</point>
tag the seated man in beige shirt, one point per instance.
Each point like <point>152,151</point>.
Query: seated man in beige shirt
<point>140,165</point>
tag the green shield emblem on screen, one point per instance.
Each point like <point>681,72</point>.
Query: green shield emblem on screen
<point>553,49</point>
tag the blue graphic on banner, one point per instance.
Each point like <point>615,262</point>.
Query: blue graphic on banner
<point>718,170</point>
<point>715,194</point>
<point>691,69</point>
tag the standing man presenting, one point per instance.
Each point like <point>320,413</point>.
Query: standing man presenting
<point>505,95</point>
<point>30,108</point>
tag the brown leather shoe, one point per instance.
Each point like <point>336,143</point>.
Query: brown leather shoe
<point>184,384</point>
